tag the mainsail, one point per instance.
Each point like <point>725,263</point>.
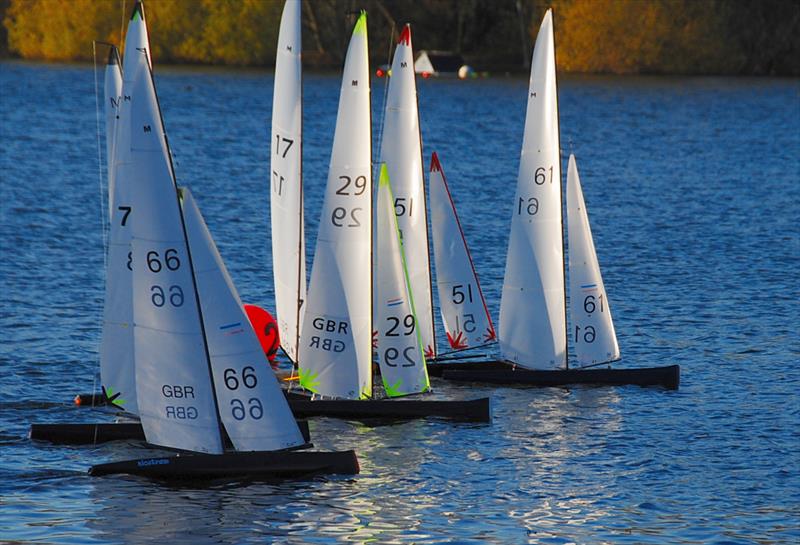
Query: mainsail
<point>116,344</point>
<point>286,195</point>
<point>173,383</point>
<point>335,356</point>
<point>401,356</point>
<point>464,313</point>
<point>532,308</point>
<point>252,407</point>
<point>401,151</point>
<point>593,337</point>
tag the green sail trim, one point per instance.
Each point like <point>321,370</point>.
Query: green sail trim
<point>361,24</point>
<point>393,390</point>
<point>383,180</point>
<point>137,11</point>
<point>113,398</point>
<point>309,380</point>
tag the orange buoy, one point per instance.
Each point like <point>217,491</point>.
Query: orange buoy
<point>266,329</point>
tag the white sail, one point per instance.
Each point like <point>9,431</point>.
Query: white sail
<point>464,313</point>
<point>136,37</point>
<point>335,355</point>
<point>173,380</point>
<point>401,150</point>
<point>532,329</point>
<point>286,195</point>
<point>400,352</point>
<point>117,372</point>
<point>592,332</point>
<point>112,88</point>
<point>252,407</point>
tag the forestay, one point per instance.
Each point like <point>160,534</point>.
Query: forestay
<point>252,407</point>
<point>593,336</point>
<point>401,150</point>
<point>116,344</point>
<point>336,340</point>
<point>464,313</point>
<point>401,356</point>
<point>173,382</point>
<point>286,196</point>
<point>532,308</point>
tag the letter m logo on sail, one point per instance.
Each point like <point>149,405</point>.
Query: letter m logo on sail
<point>146,128</point>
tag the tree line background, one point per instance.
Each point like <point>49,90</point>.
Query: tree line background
<point>592,36</point>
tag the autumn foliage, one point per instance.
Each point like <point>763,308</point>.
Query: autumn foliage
<point>605,36</point>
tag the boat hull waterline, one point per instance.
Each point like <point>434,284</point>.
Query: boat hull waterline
<point>473,410</point>
<point>91,433</point>
<point>667,376</point>
<point>268,465</point>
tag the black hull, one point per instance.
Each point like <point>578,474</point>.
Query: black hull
<point>264,465</point>
<point>93,433</point>
<point>667,377</point>
<point>475,410</point>
<point>436,369</point>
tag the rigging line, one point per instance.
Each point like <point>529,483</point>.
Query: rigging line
<point>461,351</point>
<point>377,164</point>
<point>103,205</point>
<point>122,21</point>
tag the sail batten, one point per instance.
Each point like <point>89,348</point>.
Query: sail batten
<point>286,181</point>
<point>335,353</point>
<point>532,328</point>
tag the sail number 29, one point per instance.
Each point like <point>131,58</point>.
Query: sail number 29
<point>341,216</point>
<point>248,380</point>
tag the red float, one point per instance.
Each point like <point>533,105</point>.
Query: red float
<point>266,329</point>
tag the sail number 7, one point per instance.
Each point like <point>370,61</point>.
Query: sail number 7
<point>287,141</point>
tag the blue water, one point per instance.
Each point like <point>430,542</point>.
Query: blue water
<point>693,190</point>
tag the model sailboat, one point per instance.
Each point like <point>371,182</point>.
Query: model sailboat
<point>401,150</point>
<point>533,323</point>
<point>335,352</point>
<point>199,367</point>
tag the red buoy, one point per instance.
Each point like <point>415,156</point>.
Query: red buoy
<point>266,329</point>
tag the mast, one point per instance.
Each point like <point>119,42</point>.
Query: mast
<point>560,189</point>
<point>425,216</point>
